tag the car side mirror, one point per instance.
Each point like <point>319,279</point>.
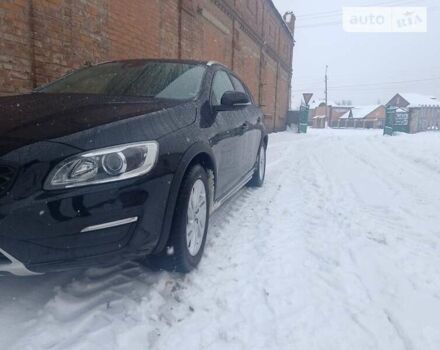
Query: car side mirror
<point>234,98</point>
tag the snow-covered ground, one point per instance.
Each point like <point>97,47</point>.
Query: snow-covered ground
<point>339,250</point>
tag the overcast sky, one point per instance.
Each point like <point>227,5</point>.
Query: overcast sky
<point>363,68</point>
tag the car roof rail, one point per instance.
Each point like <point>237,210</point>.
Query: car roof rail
<point>212,63</point>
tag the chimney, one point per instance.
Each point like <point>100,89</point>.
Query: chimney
<point>290,20</point>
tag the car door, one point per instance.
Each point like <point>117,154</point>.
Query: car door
<point>251,119</point>
<point>226,137</point>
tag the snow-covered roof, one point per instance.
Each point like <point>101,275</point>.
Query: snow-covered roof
<point>401,110</point>
<point>346,115</point>
<point>320,117</point>
<point>418,100</point>
<point>360,112</point>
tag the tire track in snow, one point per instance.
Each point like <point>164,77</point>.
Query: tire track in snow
<point>310,261</point>
<point>89,301</point>
<point>395,223</point>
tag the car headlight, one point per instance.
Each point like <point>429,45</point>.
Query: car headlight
<point>104,165</point>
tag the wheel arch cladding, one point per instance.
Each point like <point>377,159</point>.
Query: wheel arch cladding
<point>265,140</point>
<point>199,153</point>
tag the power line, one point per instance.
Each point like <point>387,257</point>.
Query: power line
<point>316,25</point>
<point>371,86</point>
<point>316,78</point>
<point>385,83</point>
<point>367,91</point>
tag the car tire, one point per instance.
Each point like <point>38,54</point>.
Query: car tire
<point>190,225</point>
<point>260,169</point>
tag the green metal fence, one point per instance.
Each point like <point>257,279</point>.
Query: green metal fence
<point>397,120</point>
<point>303,119</point>
<point>389,121</point>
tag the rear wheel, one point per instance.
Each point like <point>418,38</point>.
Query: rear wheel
<point>260,169</point>
<point>190,225</point>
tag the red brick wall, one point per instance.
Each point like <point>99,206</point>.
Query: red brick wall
<point>268,90</point>
<point>41,40</point>
<point>66,34</point>
<point>283,97</point>
<point>247,60</point>
<point>15,48</point>
<point>132,29</point>
<point>379,113</point>
<point>217,33</point>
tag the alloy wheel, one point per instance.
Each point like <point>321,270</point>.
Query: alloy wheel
<point>262,165</point>
<point>196,217</point>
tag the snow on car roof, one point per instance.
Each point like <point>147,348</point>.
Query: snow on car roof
<point>418,100</point>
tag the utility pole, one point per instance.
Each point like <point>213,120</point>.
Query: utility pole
<point>326,96</point>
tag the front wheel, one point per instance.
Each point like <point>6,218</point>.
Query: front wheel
<point>260,169</point>
<point>190,225</point>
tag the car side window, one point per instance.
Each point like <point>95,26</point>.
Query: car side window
<point>240,87</point>
<point>220,85</point>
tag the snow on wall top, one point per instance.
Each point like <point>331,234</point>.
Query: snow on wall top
<point>418,100</point>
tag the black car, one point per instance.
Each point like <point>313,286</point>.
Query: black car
<point>123,160</point>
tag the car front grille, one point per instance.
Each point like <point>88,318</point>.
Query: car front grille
<point>7,176</point>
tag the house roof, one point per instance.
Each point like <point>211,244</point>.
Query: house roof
<point>360,112</point>
<point>401,110</point>
<point>346,115</point>
<point>418,100</point>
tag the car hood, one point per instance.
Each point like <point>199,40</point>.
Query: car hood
<point>31,118</point>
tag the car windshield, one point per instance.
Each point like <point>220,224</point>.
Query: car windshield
<point>142,79</point>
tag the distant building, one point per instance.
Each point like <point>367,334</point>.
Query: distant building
<point>368,117</point>
<point>423,112</point>
<point>317,114</point>
<point>319,121</point>
<point>340,116</point>
<point>337,112</point>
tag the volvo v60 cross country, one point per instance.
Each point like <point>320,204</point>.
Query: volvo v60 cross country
<point>121,161</point>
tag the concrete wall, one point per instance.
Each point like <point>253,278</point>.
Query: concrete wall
<point>41,40</point>
<point>424,119</point>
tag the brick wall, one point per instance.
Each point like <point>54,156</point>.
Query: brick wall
<point>41,40</point>
<point>15,47</point>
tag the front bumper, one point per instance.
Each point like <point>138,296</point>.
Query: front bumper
<point>54,231</point>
